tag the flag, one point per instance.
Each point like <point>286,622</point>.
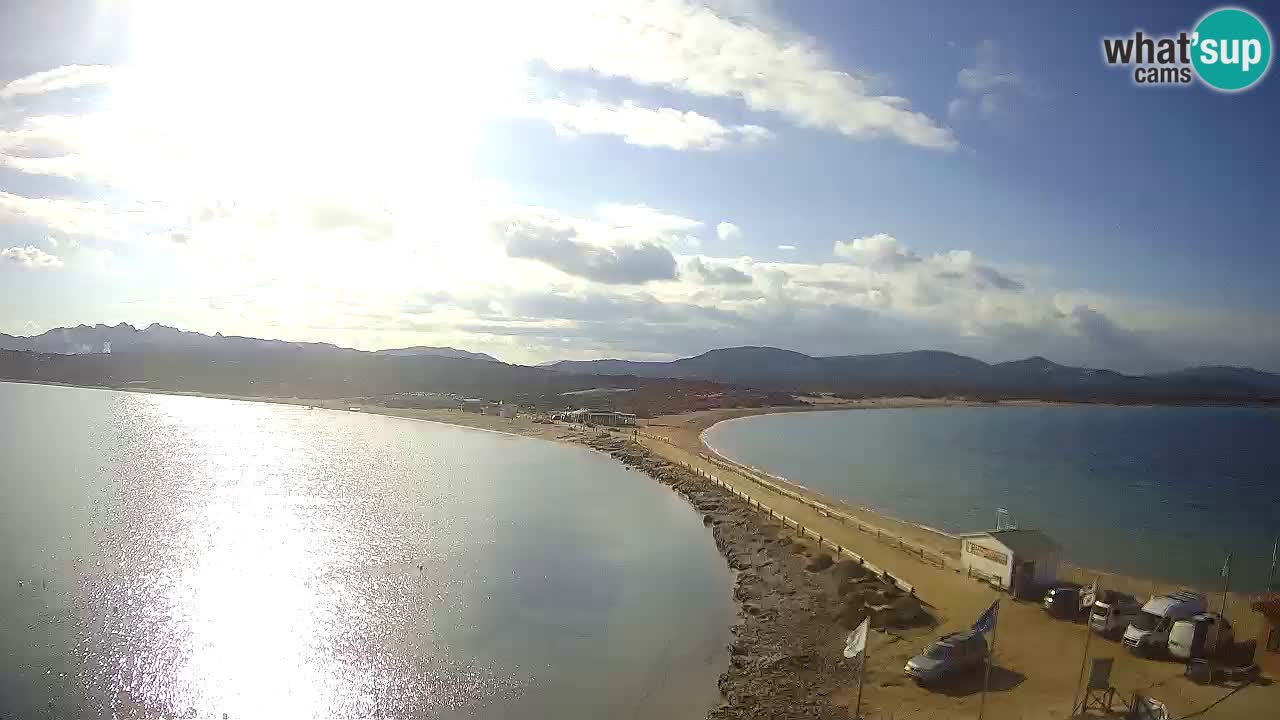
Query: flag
<point>987,620</point>
<point>1088,594</point>
<point>1226,567</point>
<point>857,642</point>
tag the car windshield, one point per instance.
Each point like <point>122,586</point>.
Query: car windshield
<point>937,651</point>
<point>1146,621</point>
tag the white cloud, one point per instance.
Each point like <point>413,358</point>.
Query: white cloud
<point>876,250</point>
<point>67,77</point>
<point>583,248</point>
<point>786,248</point>
<point>644,217</point>
<point>728,231</point>
<point>638,125</point>
<point>990,86</point>
<point>31,257</point>
<point>714,272</point>
<point>67,216</point>
<point>694,49</point>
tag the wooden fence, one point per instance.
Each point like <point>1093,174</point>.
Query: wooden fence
<point>915,550</point>
<point>839,550</point>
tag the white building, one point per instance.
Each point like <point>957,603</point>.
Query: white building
<point>1019,561</point>
<point>507,410</point>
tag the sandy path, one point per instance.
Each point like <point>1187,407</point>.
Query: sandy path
<point>1038,657</point>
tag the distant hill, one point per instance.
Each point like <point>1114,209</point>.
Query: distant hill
<point>89,339</point>
<point>438,351</point>
<point>935,373</point>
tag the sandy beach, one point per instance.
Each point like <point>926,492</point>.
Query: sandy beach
<point>1039,657</point>
<point>786,659</point>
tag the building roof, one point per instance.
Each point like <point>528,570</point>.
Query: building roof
<point>1026,543</point>
<point>1160,604</point>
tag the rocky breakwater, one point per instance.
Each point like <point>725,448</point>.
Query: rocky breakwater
<point>796,603</point>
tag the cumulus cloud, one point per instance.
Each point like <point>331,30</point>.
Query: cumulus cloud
<point>67,77</point>
<point>558,243</point>
<point>879,250</point>
<point>728,231</point>
<point>31,257</point>
<point>996,279</point>
<point>692,48</point>
<point>643,126</point>
<point>712,273</point>
<point>786,248</point>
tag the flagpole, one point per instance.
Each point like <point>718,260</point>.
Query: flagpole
<point>986,677</point>
<point>862,674</point>
<point>1275,554</point>
<point>1226,584</point>
<point>1088,635</point>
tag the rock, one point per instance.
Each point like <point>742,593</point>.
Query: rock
<point>849,570</point>
<point>820,562</point>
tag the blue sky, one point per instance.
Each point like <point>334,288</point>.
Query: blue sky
<point>637,180</point>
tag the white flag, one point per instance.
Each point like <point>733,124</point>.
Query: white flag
<point>857,642</point>
<point>1088,594</point>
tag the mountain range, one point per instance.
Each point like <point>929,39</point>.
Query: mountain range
<point>168,357</point>
<point>933,373</point>
<point>88,339</point>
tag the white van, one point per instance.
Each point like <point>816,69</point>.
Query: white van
<point>1113,612</point>
<point>1149,632</point>
<point>1202,636</point>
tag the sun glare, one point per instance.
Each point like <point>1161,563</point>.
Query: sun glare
<point>278,102</point>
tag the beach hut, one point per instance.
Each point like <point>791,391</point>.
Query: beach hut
<point>1020,561</point>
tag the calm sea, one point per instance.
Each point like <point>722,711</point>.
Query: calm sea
<point>1153,492</point>
<point>192,557</point>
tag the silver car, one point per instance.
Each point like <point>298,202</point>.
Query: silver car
<point>947,656</point>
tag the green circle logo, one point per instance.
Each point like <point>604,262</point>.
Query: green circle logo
<point>1231,49</point>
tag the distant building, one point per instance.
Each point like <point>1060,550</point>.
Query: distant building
<point>475,405</point>
<point>507,410</point>
<point>607,418</point>
<point>1020,561</point>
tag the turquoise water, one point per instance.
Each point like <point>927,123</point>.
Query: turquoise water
<point>1154,492</point>
<point>176,556</point>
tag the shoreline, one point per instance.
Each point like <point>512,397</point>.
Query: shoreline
<point>943,540</point>
<point>792,619</point>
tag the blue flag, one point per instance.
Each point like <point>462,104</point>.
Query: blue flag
<point>987,620</point>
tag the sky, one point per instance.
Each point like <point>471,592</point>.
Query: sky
<point>574,179</point>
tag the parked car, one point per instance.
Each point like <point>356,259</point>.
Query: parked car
<point>1201,636</point>
<point>1063,602</point>
<point>948,656</point>
<point>1113,612</point>
<point>1148,634</point>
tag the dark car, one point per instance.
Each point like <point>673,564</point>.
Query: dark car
<point>1063,602</point>
<point>947,656</point>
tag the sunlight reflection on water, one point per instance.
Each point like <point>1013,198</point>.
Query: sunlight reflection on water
<point>264,561</point>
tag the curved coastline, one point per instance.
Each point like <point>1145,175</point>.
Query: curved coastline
<point>785,657</point>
